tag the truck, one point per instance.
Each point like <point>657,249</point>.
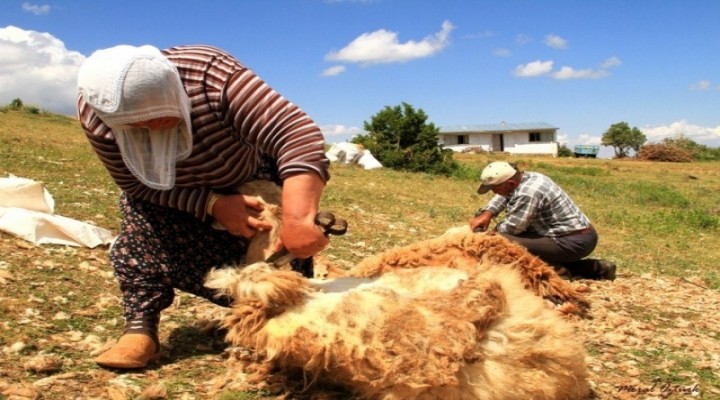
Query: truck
<point>586,150</point>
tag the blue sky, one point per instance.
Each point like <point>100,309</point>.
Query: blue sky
<point>578,65</point>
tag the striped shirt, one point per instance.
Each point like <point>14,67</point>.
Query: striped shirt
<point>236,118</point>
<point>538,205</point>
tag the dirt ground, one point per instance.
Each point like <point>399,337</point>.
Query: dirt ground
<point>651,337</point>
<point>647,337</point>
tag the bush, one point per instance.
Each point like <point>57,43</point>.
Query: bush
<point>564,151</point>
<point>31,110</point>
<point>699,152</point>
<point>467,172</point>
<point>18,105</point>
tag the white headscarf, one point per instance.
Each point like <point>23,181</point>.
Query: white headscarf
<point>127,84</point>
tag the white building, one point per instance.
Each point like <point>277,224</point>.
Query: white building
<point>525,138</point>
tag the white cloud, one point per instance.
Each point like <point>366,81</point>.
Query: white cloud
<point>502,52</point>
<point>709,136</point>
<point>586,138</point>
<point>571,73</point>
<point>701,85</point>
<point>555,41</point>
<point>383,46</point>
<point>588,73</point>
<point>611,63</point>
<point>541,68</point>
<point>36,9</point>
<point>480,35</point>
<point>339,133</point>
<point>334,70</point>
<point>38,69</point>
<point>532,69</point>
<point>522,40</point>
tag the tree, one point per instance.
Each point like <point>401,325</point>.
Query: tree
<point>400,138</point>
<point>623,139</point>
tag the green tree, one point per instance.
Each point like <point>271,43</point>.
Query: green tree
<point>401,138</point>
<point>623,139</point>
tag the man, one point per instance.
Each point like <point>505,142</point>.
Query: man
<point>541,217</point>
<point>178,130</point>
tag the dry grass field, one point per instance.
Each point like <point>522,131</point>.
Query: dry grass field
<point>653,333</point>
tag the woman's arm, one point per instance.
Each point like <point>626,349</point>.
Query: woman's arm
<point>300,202</point>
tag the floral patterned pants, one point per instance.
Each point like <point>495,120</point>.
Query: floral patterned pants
<point>159,249</point>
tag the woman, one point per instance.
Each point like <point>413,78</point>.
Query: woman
<point>177,130</point>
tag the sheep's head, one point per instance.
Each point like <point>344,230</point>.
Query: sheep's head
<point>258,283</point>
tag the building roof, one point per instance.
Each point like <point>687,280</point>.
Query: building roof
<point>501,127</point>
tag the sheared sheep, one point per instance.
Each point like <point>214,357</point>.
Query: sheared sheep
<point>448,318</point>
<point>462,249</point>
<point>421,333</point>
<point>457,248</point>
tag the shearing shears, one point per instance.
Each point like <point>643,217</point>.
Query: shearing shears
<point>330,226</point>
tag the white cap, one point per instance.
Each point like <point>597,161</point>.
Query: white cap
<point>494,174</point>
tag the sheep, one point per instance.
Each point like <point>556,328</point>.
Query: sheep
<point>463,249</point>
<point>458,247</point>
<point>456,317</point>
<point>429,332</point>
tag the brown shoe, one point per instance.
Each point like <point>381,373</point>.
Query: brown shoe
<point>133,350</point>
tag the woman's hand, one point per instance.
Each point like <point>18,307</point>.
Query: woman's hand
<point>300,203</point>
<point>238,214</point>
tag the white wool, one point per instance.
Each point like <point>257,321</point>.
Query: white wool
<point>341,331</point>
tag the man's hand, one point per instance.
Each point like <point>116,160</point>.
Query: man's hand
<point>481,223</point>
<point>239,215</point>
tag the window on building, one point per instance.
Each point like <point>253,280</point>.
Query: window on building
<point>535,137</point>
<point>463,139</point>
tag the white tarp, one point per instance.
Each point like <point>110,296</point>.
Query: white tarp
<point>26,211</point>
<point>351,153</point>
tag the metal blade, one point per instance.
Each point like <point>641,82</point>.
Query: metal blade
<point>280,258</point>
